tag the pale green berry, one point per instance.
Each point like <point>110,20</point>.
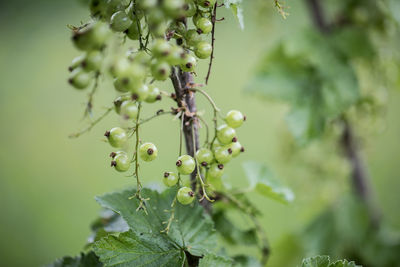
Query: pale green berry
<point>185,164</point>
<point>204,156</point>
<point>235,118</point>
<point>215,171</point>
<point>226,134</point>
<point>223,154</point>
<point>170,179</point>
<point>117,137</point>
<point>185,195</point>
<point>148,152</point>
<point>121,162</point>
<point>129,110</point>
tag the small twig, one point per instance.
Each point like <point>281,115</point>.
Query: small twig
<point>89,105</point>
<point>213,19</point>
<point>87,129</point>
<point>216,109</point>
<point>281,9</point>
<point>171,218</point>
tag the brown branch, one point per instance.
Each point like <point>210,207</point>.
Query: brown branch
<point>186,99</point>
<point>213,20</point>
<point>359,176</point>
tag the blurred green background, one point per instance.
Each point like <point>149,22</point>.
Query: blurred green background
<point>48,182</point>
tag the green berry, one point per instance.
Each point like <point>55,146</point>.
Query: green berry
<point>185,195</point>
<point>236,148</point>
<point>192,37</point>
<point>160,70</point>
<point>98,8</point>
<point>223,154</point>
<point>79,79</point>
<point>185,164</point>
<point>117,137</point>
<point>129,110</point>
<point>92,61</point>
<point>148,152</point>
<point>141,93</point>
<point>120,21</point>
<point>189,63</point>
<point>153,95</point>
<point>161,48</point>
<point>235,118</point>
<point>121,85</point>
<point>176,55</point>
<point>206,3</point>
<point>133,31</point>
<point>203,50</point>
<point>146,4</point>
<point>170,179</point>
<point>204,25</point>
<point>121,67</point>
<point>204,156</point>
<point>121,162</point>
<point>118,102</point>
<point>226,134</point>
<point>76,62</point>
<point>189,8</point>
<point>215,171</point>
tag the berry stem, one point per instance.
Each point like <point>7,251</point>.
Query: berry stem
<point>91,125</point>
<point>89,104</point>
<point>213,20</point>
<point>207,128</point>
<point>201,91</point>
<point>171,217</point>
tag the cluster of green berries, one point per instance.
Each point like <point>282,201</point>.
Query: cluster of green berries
<point>167,34</point>
<point>211,159</point>
<point>159,28</point>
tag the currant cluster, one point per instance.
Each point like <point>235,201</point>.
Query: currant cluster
<point>167,35</point>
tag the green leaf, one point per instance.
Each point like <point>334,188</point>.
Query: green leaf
<point>211,260</point>
<point>237,10</point>
<point>130,249</point>
<point>264,182</point>
<point>83,260</point>
<point>324,261</point>
<point>314,77</point>
<point>231,233</point>
<point>246,261</point>
<point>192,230</point>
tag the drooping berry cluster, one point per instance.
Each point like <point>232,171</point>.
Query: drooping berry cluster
<point>167,35</point>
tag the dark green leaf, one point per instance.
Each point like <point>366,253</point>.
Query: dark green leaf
<point>246,261</point>
<point>231,233</point>
<point>264,182</point>
<point>130,249</point>
<point>83,260</point>
<point>211,260</point>
<point>191,230</point>
<point>324,261</point>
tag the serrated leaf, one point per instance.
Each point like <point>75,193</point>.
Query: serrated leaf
<point>211,260</point>
<point>231,233</point>
<point>83,260</point>
<point>130,249</point>
<point>237,10</point>
<point>191,230</point>
<point>324,261</point>
<point>314,77</point>
<point>246,261</point>
<point>262,180</point>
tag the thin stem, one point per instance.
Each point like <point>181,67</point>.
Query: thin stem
<point>89,105</point>
<point>198,174</point>
<point>213,20</point>
<point>91,125</point>
<point>158,114</point>
<point>201,91</point>
<point>138,195</point>
<point>171,218</point>
<point>207,128</point>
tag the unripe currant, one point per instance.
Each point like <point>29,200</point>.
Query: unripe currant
<point>161,48</point>
<point>225,134</point>
<point>76,62</point>
<point>118,102</point>
<point>204,156</point>
<point>92,61</point>
<point>141,93</point>
<point>121,162</point>
<point>160,70</point>
<point>204,25</point>
<point>129,110</point>
<point>236,148</point>
<point>153,94</point>
<point>148,152</point>
<point>176,55</point>
<point>203,50</point>
<point>223,154</point>
<point>120,21</point>
<point>133,31</point>
<point>189,62</point>
<point>170,179</point>
<point>206,3</point>
<point>185,164</point>
<point>189,8</point>
<point>79,78</point>
<point>234,118</point>
<point>185,195</point>
<point>192,37</point>
<point>116,137</point>
<point>215,171</point>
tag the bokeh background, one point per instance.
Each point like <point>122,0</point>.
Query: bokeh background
<point>48,181</point>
